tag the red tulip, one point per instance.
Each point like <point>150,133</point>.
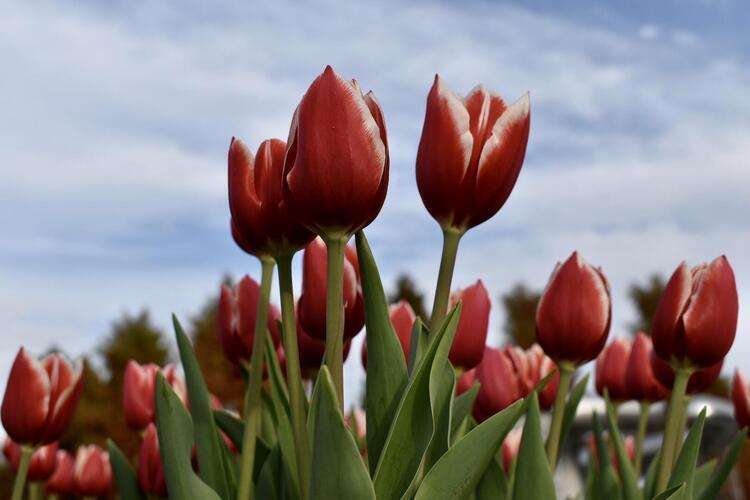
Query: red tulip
<point>312,350</point>
<point>138,392</point>
<point>511,445</point>
<point>336,168</point>
<point>641,383</point>
<point>312,302</point>
<point>259,214</point>
<point>402,319</point>
<point>357,418</point>
<point>611,367</point>
<point>696,318</point>
<point>544,366</point>
<point>40,398</point>
<point>150,469</point>
<point>741,399</point>
<point>470,154</point>
<point>238,309</point>
<point>574,313</point>
<point>92,473</point>
<point>699,381</point>
<point>465,381</point>
<point>471,334</point>
<point>43,460</point>
<point>61,481</point>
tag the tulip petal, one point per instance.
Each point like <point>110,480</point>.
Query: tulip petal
<point>668,312</point>
<point>26,401</point>
<point>741,399</point>
<point>65,405</point>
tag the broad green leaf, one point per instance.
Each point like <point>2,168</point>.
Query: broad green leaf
<point>207,443</point>
<point>672,493</point>
<point>442,389</point>
<point>175,430</point>
<point>125,477</point>
<point>684,468</point>
<point>459,471</point>
<point>628,479</point>
<point>232,426</point>
<point>337,467</point>
<point>605,477</point>
<point>649,482</point>
<point>269,484</point>
<point>711,491</point>
<point>420,335</point>
<point>571,407</point>
<point>386,367</point>
<point>494,484</point>
<point>533,477</point>
<point>703,475</point>
<point>268,420</point>
<point>462,406</point>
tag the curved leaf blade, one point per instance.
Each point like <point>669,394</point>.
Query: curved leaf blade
<point>533,477</point>
<point>125,477</point>
<point>627,474</point>
<point>684,468</point>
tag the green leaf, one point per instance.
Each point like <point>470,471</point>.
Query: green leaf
<point>442,389</point>
<point>386,368</point>
<point>684,468</point>
<point>649,483</point>
<point>127,481</point>
<point>533,477</point>
<point>672,493</point>
<point>337,467</point>
<point>207,443</point>
<point>571,407</point>
<point>494,485</point>
<point>703,474</point>
<point>175,430</point>
<point>269,484</point>
<point>232,426</point>
<point>711,491</point>
<point>459,471</point>
<point>462,406</point>
<point>627,474</point>
<point>606,477</point>
<point>420,335</point>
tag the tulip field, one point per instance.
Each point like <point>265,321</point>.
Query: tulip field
<point>444,416</point>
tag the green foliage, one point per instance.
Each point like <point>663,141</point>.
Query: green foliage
<point>520,314</point>
<point>533,476</point>
<point>125,477</point>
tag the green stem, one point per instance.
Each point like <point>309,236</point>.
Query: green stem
<point>641,436</point>
<point>553,440</point>
<point>53,496</point>
<point>35,491</point>
<point>672,428</point>
<point>451,238</point>
<point>23,470</point>
<point>682,419</point>
<point>334,355</point>
<point>293,374</point>
<point>255,379</point>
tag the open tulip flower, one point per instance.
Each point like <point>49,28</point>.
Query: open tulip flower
<point>43,460</point>
<point>92,472</point>
<point>138,392</point>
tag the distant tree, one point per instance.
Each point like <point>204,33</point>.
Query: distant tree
<point>407,290</point>
<point>645,298</point>
<point>520,314</point>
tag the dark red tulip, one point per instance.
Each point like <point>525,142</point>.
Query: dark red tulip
<point>699,381</point>
<point>696,318</point>
<point>92,473</point>
<point>259,214</point>
<point>402,319</point>
<point>40,398</point>
<point>511,445</point>
<point>336,169</point>
<point>61,480</point>
<point>138,392</point>
<point>470,154</point>
<point>312,302</point>
<point>150,469</point>
<point>465,381</point>
<point>312,350</point>
<point>43,460</point>
<point>238,307</point>
<point>611,367</point>
<point>574,313</point>
<point>641,383</point>
<point>741,399</point>
<point>471,334</point>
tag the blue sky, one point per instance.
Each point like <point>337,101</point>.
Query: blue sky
<point>116,120</point>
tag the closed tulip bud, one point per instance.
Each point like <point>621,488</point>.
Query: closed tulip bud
<point>61,480</point>
<point>699,381</point>
<point>312,350</point>
<point>40,398</point>
<point>402,319</point>
<point>511,445</point>
<point>336,169</point>
<point>312,302</point>
<point>138,392</point>
<point>741,399</point>
<point>574,313</point>
<point>470,154</point>
<point>544,366</point>
<point>92,473</point>
<point>150,469</point>
<point>611,367</point>
<point>261,220</point>
<point>465,381</point>
<point>238,307</point>
<point>498,384</point>
<point>641,383</point>
<point>471,334</point>
<point>696,318</point>
<point>43,460</point>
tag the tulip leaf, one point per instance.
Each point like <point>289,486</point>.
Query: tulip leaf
<point>494,484</point>
<point>232,426</point>
<point>571,407</point>
<point>125,476</point>
<point>420,335</point>
<point>684,467</point>
<point>175,430</point>
<point>462,406</point>
<point>627,474</point>
<point>337,467</point>
<point>725,468</point>
<point>605,479</point>
<point>672,493</point>
<point>386,374</point>
<point>458,472</point>
<point>269,484</point>
<point>703,475</point>
<point>533,476</point>
<point>442,389</point>
<point>649,482</point>
<point>412,429</point>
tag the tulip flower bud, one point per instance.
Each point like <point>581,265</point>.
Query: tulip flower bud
<point>611,366</point>
<point>696,318</point>
<point>543,366</point>
<point>699,381</point>
<point>61,480</point>
<point>40,398</point>
<point>43,460</point>
<point>741,399</point>
<point>402,319</point>
<point>238,308</point>
<point>574,313</point>
<point>138,392</point>
<point>471,333</point>
<point>260,218</point>
<point>465,381</point>
<point>312,302</point>
<point>641,383</point>
<point>336,168</point>
<point>92,473</point>
<point>150,469</point>
<point>312,350</point>
<point>470,154</point>
<point>511,445</point>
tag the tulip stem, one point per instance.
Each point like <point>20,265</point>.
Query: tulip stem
<point>553,440</point>
<point>23,470</point>
<point>334,354</point>
<point>672,429</point>
<point>293,373</point>
<point>35,491</point>
<point>641,436</point>
<point>451,238</point>
<point>252,396</point>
